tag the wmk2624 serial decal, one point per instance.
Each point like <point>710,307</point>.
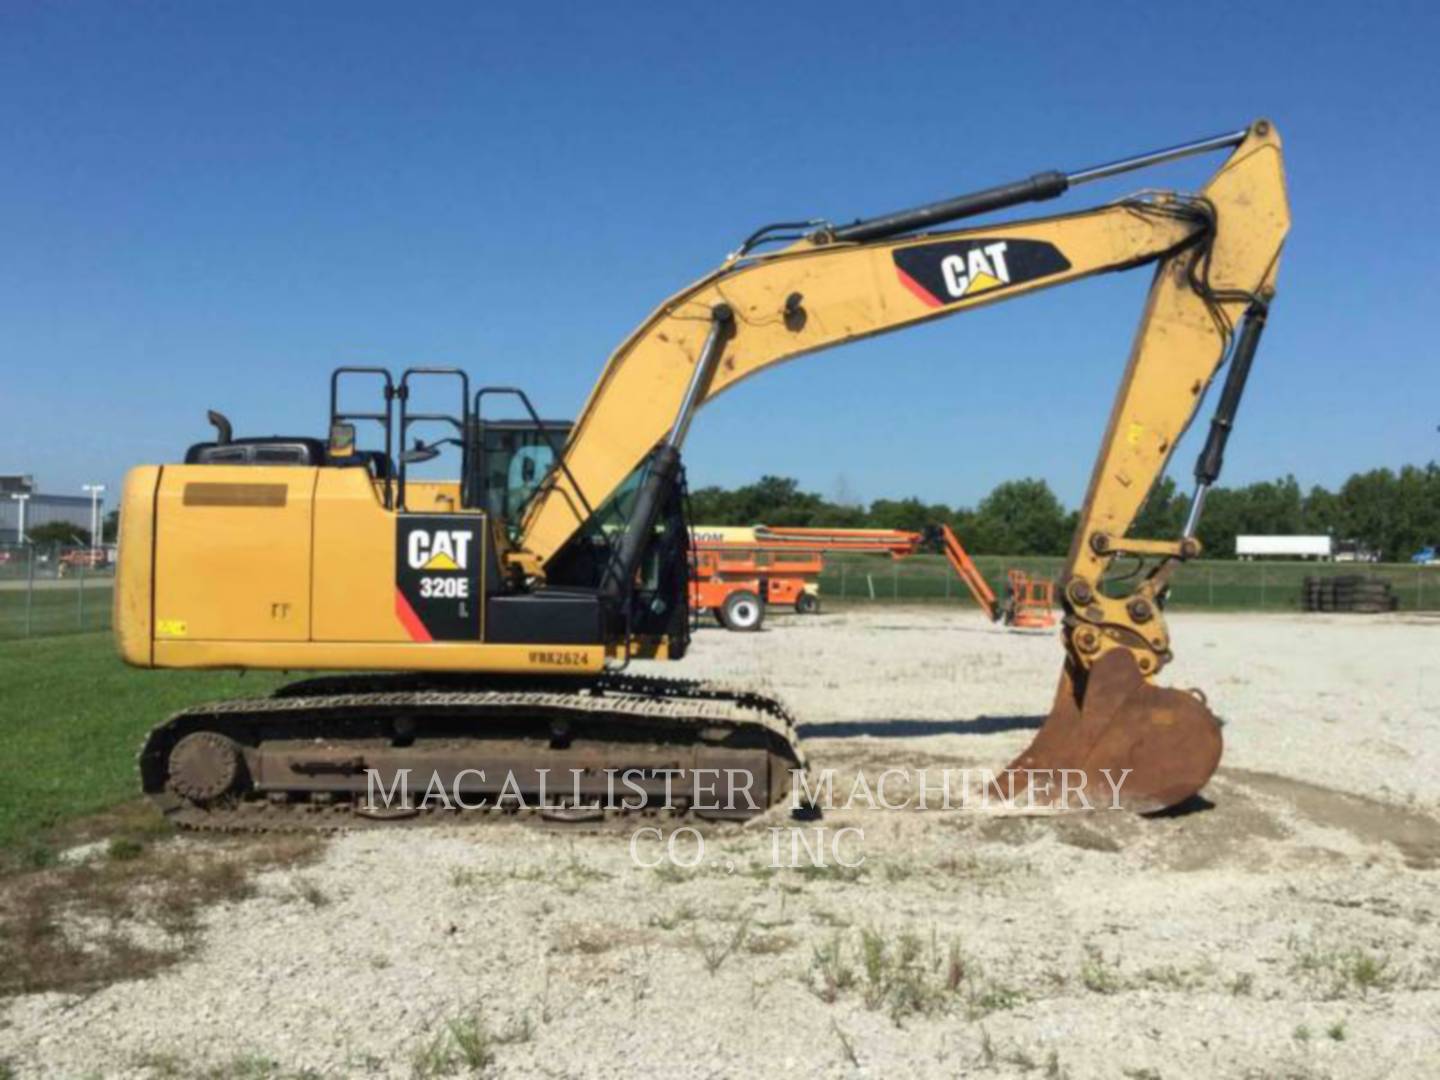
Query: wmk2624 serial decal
<point>946,273</point>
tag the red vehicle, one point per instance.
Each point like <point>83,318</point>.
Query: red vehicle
<point>86,558</point>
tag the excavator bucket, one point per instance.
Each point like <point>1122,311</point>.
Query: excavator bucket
<point>1113,739</point>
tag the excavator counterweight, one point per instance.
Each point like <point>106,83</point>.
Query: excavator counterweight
<point>482,624</point>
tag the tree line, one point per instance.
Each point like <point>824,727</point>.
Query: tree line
<point>1393,513</point>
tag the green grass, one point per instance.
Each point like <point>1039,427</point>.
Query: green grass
<point>1221,584</point>
<point>71,720</point>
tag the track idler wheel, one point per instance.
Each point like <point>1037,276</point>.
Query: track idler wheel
<point>204,766</point>
<point>1113,739</point>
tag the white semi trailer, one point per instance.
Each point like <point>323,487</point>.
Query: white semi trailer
<point>1285,547</point>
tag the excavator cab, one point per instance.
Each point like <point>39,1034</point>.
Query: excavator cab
<point>514,457</point>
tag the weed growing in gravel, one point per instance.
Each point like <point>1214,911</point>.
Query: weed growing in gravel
<point>1367,972</point>
<point>991,997</point>
<point>830,973</point>
<point>1336,1031</point>
<point>466,1042</point>
<point>640,980</point>
<point>846,1046</point>
<point>681,915</point>
<point>1241,985</point>
<point>575,875</point>
<point>1340,973</point>
<point>1170,977</point>
<point>900,976</point>
<point>125,848</point>
<point>990,1057</point>
<point>594,938</point>
<point>716,952</point>
<point>1301,1033</point>
<point>7,1069</point>
<point>768,944</point>
<point>1099,975</point>
<point>438,1057</point>
<point>518,1031</point>
<point>987,1050</point>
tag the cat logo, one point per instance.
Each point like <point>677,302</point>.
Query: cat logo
<point>949,271</point>
<point>439,549</point>
<point>978,269</point>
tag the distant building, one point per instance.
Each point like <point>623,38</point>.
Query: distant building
<point>40,509</point>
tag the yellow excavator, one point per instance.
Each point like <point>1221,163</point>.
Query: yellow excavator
<point>475,632</point>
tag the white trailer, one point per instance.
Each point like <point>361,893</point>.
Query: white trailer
<point>1285,547</point>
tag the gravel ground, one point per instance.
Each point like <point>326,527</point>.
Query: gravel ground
<point>1287,929</point>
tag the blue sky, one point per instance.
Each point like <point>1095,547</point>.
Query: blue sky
<point>210,206</point>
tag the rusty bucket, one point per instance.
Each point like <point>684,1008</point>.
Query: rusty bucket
<point>1113,739</point>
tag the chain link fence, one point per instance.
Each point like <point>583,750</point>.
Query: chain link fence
<point>1218,584</point>
<point>48,590</point>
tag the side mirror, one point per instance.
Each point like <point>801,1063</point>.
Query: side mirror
<point>342,440</point>
<point>420,452</point>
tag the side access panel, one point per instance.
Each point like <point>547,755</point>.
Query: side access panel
<point>232,553</point>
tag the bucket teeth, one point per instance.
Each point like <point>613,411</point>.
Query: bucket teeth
<point>1114,740</point>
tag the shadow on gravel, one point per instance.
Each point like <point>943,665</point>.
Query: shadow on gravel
<point>907,729</point>
<point>1196,804</point>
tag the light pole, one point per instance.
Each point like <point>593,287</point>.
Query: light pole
<point>94,490</point>
<point>20,531</point>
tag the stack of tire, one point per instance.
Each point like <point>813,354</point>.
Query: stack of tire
<point>1348,592</point>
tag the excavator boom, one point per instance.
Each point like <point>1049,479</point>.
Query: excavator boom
<point>1216,255</point>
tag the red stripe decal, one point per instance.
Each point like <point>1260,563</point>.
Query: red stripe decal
<point>918,289</point>
<point>406,614</point>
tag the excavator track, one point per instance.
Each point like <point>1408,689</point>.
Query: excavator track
<point>325,754</point>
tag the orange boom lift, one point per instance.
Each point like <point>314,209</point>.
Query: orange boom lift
<point>1030,604</point>
<point>738,570</point>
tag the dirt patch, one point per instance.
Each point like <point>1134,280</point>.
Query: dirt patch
<point>1415,835</point>
<point>127,911</point>
<point>1085,836</point>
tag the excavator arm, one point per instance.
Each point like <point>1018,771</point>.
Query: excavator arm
<point>1215,256</point>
